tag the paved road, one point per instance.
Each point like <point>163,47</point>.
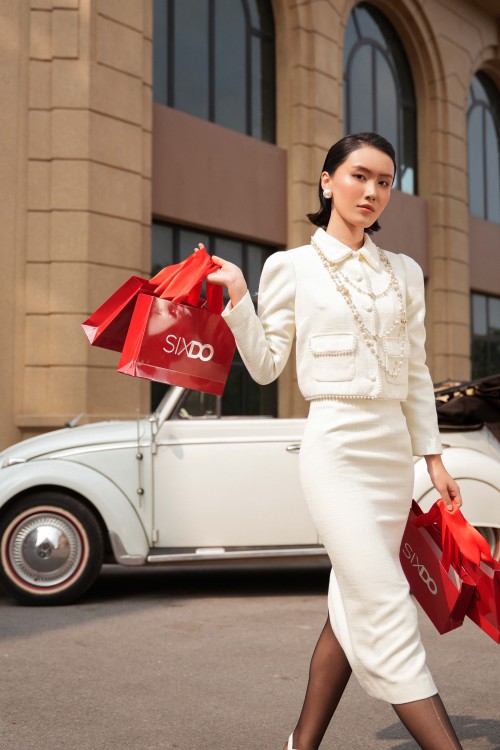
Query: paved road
<point>197,659</point>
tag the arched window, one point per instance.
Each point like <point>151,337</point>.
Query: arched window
<point>483,146</point>
<point>215,59</point>
<point>379,94</point>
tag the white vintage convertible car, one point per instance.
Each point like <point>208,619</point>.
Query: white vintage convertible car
<point>183,485</point>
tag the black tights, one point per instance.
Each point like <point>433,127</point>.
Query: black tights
<point>426,720</point>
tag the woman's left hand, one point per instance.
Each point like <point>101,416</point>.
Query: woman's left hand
<point>444,483</point>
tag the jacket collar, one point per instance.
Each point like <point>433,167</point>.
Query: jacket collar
<point>338,252</point>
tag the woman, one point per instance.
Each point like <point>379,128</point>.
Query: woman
<point>357,313</point>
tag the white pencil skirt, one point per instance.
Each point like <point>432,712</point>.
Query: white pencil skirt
<point>356,470</point>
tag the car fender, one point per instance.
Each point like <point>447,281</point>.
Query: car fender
<point>127,534</point>
<point>479,479</point>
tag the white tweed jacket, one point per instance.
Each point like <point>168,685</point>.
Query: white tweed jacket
<point>297,297</point>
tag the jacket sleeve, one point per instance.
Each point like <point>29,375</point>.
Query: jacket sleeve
<point>265,340</point>
<point>419,407</point>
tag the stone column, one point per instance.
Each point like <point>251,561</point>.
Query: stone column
<point>14,25</point>
<point>88,200</point>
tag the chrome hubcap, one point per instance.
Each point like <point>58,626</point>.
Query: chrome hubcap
<point>45,549</point>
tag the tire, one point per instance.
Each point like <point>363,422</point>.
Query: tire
<point>51,549</point>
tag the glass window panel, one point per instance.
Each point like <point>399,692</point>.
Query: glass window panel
<point>483,144</point>
<point>349,37</point>
<point>230,250</point>
<point>479,320</point>
<point>404,76</point>
<point>386,102</point>
<point>254,11</point>
<point>261,16</point>
<point>230,65</point>
<point>197,405</point>
<point>360,115</point>
<point>191,35</point>
<point>266,92</point>
<point>407,179</point>
<point>492,164</point>
<point>476,162</point>
<point>367,21</point>
<point>255,260</point>
<point>494,316</point>
<point>256,88</point>
<point>160,52</point>
<point>233,400</point>
<point>479,358</point>
<point>485,335</point>
<point>162,247</point>
<point>408,159</point>
<point>494,358</point>
<point>188,241</point>
<point>202,64</point>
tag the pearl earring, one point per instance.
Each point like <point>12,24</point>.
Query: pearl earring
<point>327,193</point>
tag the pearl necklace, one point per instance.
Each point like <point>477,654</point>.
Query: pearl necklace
<point>372,340</point>
<point>372,295</point>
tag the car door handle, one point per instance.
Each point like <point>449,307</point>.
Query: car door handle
<point>293,448</point>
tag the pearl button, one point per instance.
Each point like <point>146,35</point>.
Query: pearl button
<point>359,278</point>
<point>373,378</point>
<point>369,308</point>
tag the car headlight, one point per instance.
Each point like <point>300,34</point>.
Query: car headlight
<point>12,461</point>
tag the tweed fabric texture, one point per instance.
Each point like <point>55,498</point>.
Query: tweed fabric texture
<point>356,472</point>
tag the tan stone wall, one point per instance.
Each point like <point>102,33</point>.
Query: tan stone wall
<point>13,153</point>
<point>83,199</point>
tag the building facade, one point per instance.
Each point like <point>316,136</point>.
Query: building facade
<point>132,129</point>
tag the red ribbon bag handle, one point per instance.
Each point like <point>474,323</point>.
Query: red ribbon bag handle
<point>182,282</point>
<point>460,539</point>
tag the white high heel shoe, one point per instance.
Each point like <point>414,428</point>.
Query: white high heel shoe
<point>290,742</point>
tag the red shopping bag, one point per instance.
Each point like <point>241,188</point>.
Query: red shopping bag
<point>485,606</point>
<point>431,563</point>
<point>179,339</point>
<point>107,327</point>
<point>476,558</point>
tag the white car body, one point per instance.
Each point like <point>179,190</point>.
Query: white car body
<point>171,488</point>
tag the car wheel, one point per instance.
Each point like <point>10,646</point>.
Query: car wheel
<point>492,536</point>
<point>51,549</point>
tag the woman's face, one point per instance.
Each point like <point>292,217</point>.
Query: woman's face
<point>361,186</point>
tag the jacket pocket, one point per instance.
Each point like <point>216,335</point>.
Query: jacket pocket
<point>393,355</point>
<point>333,356</point>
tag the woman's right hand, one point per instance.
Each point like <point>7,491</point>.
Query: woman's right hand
<point>230,276</point>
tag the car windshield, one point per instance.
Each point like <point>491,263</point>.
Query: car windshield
<point>197,405</point>
<point>181,403</point>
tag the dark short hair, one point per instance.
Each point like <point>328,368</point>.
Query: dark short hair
<point>335,157</point>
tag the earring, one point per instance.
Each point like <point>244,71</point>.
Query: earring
<point>327,193</point>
